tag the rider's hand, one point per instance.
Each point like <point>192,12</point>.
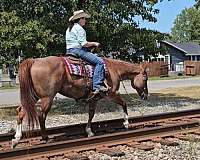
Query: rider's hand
<point>96,44</point>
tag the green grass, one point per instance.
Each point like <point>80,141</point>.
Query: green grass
<point>7,113</point>
<point>9,87</point>
<point>171,77</point>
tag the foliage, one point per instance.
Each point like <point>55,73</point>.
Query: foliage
<point>187,26</point>
<point>36,39</point>
<point>30,37</point>
<point>10,28</point>
<point>197,3</point>
<point>136,42</point>
<point>40,26</point>
<point>37,28</point>
<point>114,26</point>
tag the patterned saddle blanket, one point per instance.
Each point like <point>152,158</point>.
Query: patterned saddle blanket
<point>80,69</point>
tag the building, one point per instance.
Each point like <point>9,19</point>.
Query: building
<point>177,53</point>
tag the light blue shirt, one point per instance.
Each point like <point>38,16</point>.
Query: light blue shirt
<point>76,38</point>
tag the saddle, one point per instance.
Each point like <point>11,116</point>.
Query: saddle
<point>77,66</point>
<point>75,59</point>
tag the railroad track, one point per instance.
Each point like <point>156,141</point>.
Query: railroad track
<point>69,141</point>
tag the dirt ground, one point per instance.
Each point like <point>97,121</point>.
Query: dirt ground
<point>190,92</point>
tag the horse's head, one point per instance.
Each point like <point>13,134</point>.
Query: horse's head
<point>139,82</point>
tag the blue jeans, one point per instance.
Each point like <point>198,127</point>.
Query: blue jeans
<point>99,71</point>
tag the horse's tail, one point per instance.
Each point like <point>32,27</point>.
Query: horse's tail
<point>27,92</point>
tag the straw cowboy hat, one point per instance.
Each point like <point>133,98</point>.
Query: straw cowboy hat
<point>79,14</point>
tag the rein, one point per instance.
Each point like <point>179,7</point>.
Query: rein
<point>138,101</point>
<point>129,93</point>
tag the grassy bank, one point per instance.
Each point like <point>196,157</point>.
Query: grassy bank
<point>5,87</point>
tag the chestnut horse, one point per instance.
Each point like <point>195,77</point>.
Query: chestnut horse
<point>43,78</point>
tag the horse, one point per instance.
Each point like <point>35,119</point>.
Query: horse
<point>43,78</point>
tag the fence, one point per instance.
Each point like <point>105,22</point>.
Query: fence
<point>158,69</point>
<point>192,68</point>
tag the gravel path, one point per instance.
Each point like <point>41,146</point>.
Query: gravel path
<point>12,96</point>
<point>78,114</point>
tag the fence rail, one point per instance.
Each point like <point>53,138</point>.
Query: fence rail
<point>158,69</point>
<point>192,68</point>
<point>189,68</point>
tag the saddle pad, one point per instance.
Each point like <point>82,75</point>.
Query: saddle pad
<point>80,70</point>
<point>77,69</point>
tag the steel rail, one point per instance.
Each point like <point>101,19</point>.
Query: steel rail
<point>79,129</point>
<point>92,142</point>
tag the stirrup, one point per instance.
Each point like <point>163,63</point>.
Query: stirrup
<point>102,89</point>
<point>99,93</point>
<point>93,96</point>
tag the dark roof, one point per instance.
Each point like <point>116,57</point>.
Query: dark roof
<point>189,48</point>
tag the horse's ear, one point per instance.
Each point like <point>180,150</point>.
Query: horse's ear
<point>147,68</point>
<point>144,67</point>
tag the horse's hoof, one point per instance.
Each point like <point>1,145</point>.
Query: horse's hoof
<point>91,134</point>
<point>50,140</point>
<point>14,143</point>
<point>126,125</point>
<point>45,138</point>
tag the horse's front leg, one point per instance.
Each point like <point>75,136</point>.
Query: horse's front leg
<point>116,97</point>
<point>18,134</point>
<point>92,107</point>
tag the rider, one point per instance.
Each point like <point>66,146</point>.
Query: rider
<point>77,44</point>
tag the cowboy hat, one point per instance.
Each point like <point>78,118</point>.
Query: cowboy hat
<point>79,14</point>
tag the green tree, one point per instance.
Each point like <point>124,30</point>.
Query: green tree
<point>197,3</point>
<point>51,15</point>
<point>45,22</point>
<point>10,31</point>
<point>113,24</point>
<point>139,42</point>
<point>31,38</point>
<point>187,26</point>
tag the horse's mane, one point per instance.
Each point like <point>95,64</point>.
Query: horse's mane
<point>116,64</point>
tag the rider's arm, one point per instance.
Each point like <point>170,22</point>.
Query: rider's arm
<point>82,39</point>
<point>91,44</point>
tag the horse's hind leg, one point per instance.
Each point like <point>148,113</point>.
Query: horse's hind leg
<point>116,97</point>
<point>18,134</point>
<point>42,114</point>
<point>92,107</point>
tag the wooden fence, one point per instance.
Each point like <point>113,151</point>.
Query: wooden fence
<point>157,69</point>
<point>192,68</point>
